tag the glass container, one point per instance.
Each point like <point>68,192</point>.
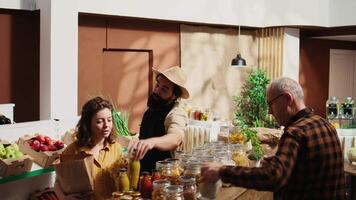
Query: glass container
<point>165,169</point>
<point>156,175</point>
<point>174,192</point>
<point>193,170</point>
<point>158,189</point>
<point>347,108</point>
<point>176,170</point>
<point>124,183</point>
<point>146,185</point>
<point>189,187</point>
<point>332,107</point>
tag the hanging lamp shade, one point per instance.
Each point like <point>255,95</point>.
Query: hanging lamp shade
<point>238,61</point>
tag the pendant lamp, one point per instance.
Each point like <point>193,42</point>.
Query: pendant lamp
<point>238,61</point>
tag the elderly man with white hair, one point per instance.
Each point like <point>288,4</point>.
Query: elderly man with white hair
<point>308,163</point>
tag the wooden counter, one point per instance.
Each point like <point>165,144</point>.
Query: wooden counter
<point>231,193</point>
<point>351,170</point>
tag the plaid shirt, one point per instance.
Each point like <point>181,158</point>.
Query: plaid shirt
<point>307,165</point>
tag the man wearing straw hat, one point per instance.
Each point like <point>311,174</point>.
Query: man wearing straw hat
<point>163,123</point>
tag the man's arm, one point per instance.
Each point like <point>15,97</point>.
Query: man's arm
<point>175,124</point>
<point>272,175</point>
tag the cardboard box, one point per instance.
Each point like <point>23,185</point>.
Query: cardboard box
<point>74,173</point>
<point>9,167</point>
<point>42,158</point>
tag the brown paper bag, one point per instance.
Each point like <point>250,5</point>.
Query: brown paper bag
<point>74,173</point>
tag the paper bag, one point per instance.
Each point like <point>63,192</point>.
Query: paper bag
<point>74,173</point>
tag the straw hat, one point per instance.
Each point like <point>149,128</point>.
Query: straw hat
<point>177,76</point>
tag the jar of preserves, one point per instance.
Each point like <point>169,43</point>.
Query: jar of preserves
<point>146,185</point>
<point>332,108</point>
<point>134,173</point>
<point>158,189</point>
<point>189,187</point>
<point>238,155</point>
<point>193,169</point>
<point>165,169</point>
<point>156,175</point>
<point>174,192</point>
<point>124,183</point>
<point>176,170</point>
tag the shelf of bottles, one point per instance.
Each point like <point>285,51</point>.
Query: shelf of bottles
<point>341,114</point>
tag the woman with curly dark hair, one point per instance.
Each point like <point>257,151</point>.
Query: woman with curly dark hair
<point>96,136</point>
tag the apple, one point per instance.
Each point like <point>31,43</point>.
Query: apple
<point>30,142</point>
<point>48,140</point>
<point>52,147</point>
<point>59,144</point>
<point>40,138</point>
<point>44,147</point>
<point>36,145</point>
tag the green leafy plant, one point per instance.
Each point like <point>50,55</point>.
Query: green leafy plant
<point>120,121</point>
<point>251,105</point>
<point>257,151</point>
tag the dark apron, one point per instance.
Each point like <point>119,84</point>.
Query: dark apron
<point>152,125</point>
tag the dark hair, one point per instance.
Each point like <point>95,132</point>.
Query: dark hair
<point>90,108</point>
<point>176,89</point>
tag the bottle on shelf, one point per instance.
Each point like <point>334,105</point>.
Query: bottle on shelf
<point>347,112</point>
<point>333,111</point>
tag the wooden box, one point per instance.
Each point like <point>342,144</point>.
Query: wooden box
<point>9,167</point>
<point>42,158</point>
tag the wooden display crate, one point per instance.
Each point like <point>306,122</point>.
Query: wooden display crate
<point>9,167</point>
<point>42,158</point>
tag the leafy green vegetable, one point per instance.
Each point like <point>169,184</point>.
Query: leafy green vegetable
<point>120,120</point>
<point>257,151</point>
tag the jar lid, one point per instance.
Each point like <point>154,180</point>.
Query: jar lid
<point>117,194</point>
<point>136,194</point>
<point>187,179</point>
<point>174,189</point>
<point>126,197</point>
<point>161,183</point>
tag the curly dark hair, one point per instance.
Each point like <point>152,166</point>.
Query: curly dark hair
<point>90,108</point>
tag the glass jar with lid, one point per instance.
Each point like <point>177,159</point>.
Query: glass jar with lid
<point>158,189</point>
<point>347,108</point>
<point>193,169</point>
<point>146,185</point>
<point>124,184</point>
<point>165,169</point>
<point>238,155</point>
<point>189,187</point>
<point>332,108</point>
<point>174,192</point>
<point>156,175</point>
<point>176,170</point>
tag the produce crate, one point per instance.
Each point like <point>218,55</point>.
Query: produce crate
<point>42,158</point>
<point>9,167</point>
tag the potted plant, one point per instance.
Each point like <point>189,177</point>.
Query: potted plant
<point>252,109</point>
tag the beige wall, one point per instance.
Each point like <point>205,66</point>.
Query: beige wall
<point>116,56</point>
<point>206,55</point>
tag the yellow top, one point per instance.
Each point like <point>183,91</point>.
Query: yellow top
<point>110,158</point>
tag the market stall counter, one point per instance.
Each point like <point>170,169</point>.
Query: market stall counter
<point>231,193</point>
